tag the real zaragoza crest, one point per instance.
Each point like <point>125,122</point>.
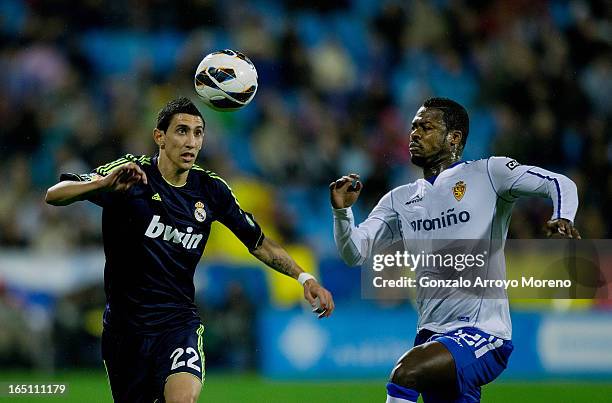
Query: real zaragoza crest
<point>200,213</point>
<point>459,190</point>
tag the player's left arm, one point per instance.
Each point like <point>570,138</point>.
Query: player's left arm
<point>512,180</point>
<point>276,257</point>
<point>246,228</point>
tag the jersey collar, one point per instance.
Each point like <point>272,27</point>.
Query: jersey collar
<point>432,179</point>
<point>155,160</point>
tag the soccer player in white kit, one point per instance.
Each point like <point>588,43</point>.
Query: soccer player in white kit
<point>461,344</point>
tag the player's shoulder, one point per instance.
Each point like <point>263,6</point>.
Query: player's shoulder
<point>501,159</point>
<point>489,164</point>
<point>402,189</point>
<point>205,174</point>
<point>210,179</point>
<point>496,163</point>
<point>402,192</point>
<point>214,185</point>
<point>141,160</point>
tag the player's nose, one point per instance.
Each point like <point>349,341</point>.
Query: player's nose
<point>192,141</point>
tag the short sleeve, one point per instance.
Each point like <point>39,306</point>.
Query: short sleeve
<point>105,198</point>
<point>240,222</point>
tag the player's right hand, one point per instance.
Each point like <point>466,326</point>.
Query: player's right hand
<point>124,177</point>
<point>561,228</point>
<point>319,298</point>
<point>344,191</point>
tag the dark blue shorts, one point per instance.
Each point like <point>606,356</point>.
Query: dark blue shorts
<point>479,359</point>
<point>138,366</point>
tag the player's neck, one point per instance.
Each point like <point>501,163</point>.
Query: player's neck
<point>437,167</point>
<point>170,173</point>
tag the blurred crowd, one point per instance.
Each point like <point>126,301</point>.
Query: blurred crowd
<point>339,84</point>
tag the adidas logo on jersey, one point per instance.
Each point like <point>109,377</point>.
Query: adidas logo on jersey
<point>156,197</point>
<point>187,239</point>
<point>446,219</point>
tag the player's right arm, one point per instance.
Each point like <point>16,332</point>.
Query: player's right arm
<point>356,243</point>
<point>119,179</point>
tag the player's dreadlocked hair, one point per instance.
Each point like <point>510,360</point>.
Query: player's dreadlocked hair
<point>455,116</point>
<point>179,105</point>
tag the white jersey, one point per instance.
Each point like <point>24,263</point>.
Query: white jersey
<point>481,195</point>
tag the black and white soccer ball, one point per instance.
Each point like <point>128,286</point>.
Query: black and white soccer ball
<point>226,80</point>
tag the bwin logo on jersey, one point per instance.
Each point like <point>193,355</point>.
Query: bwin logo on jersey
<point>446,219</point>
<point>187,239</point>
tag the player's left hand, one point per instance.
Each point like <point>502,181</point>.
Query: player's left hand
<point>319,298</point>
<point>561,228</point>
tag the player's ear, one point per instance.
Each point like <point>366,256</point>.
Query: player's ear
<point>158,137</point>
<point>455,137</point>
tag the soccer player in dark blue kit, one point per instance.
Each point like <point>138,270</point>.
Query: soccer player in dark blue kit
<point>157,214</point>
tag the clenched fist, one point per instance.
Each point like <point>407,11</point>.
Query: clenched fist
<point>344,191</point>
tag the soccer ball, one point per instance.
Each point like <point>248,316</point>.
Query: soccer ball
<point>226,80</point>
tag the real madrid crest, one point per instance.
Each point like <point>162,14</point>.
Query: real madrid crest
<point>200,213</point>
<point>459,190</point>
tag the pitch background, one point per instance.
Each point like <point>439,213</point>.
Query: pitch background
<point>91,386</point>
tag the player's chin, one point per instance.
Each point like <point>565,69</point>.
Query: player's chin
<point>417,160</point>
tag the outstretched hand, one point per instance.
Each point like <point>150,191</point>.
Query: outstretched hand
<point>319,298</point>
<point>561,228</point>
<point>344,191</point>
<point>124,177</point>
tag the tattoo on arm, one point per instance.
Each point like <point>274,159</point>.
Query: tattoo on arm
<point>283,265</point>
<point>277,258</point>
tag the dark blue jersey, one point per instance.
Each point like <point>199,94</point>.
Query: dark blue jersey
<point>154,236</point>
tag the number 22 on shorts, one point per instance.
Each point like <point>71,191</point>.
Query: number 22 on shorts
<point>178,353</point>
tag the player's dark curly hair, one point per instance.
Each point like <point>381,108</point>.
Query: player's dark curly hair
<point>455,116</point>
<point>178,105</point>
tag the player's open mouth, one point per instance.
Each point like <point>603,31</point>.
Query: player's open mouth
<point>414,146</point>
<point>188,156</point>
